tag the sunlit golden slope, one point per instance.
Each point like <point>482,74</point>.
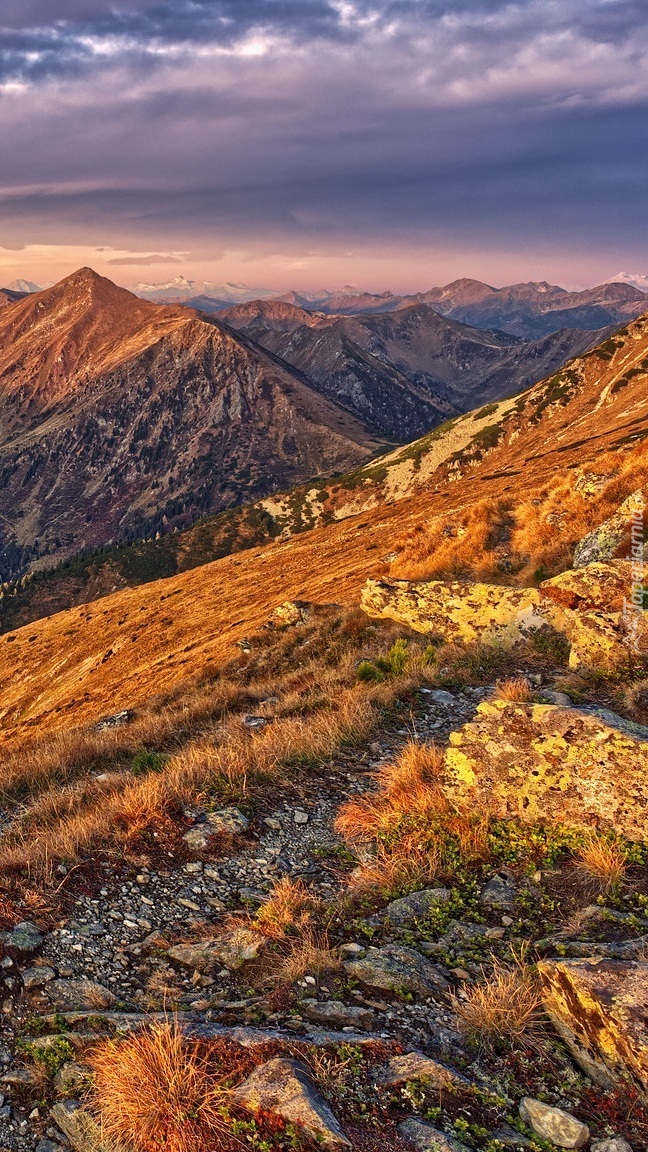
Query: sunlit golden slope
<point>89,661</point>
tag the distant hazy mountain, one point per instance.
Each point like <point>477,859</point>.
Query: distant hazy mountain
<point>119,416</point>
<point>180,290</point>
<point>406,370</point>
<point>24,286</point>
<point>531,310</point>
<point>637,280</point>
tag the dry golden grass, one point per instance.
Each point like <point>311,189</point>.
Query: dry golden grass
<point>288,909</point>
<point>517,690</point>
<point>406,867</point>
<point>635,699</point>
<point>312,955</point>
<point>602,863</point>
<point>505,1008</point>
<point>525,540</point>
<point>155,1091</point>
<point>405,788</point>
<point>314,705</point>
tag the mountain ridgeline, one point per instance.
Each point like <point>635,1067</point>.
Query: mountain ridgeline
<point>123,418</point>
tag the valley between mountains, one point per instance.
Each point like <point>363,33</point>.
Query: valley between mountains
<point>323,722</point>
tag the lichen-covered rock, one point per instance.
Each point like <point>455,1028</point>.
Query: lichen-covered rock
<point>289,613</point>
<point>231,949</point>
<point>425,1138</point>
<point>23,941</point>
<point>398,969</point>
<point>603,542</point>
<point>554,1124</point>
<point>592,607</point>
<point>537,761</point>
<point>407,909</point>
<point>600,1008</point>
<point>416,1066</point>
<point>283,1086</point>
<point>458,611</point>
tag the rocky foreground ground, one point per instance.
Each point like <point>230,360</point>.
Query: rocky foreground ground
<point>372,1049</point>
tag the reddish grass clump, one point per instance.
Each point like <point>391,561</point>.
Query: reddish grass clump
<point>155,1090</point>
<point>518,690</point>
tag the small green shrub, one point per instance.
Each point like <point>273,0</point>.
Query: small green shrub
<point>147,761</point>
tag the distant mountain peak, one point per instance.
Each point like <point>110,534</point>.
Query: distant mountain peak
<point>634,279</point>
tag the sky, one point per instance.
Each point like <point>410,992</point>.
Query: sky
<point>316,143</point>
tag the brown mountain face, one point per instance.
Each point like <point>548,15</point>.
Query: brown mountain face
<point>405,370</point>
<point>119,417</point>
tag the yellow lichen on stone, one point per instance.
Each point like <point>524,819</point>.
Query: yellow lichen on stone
<point>554,763</point>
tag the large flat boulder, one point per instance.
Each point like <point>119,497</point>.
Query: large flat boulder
<point>600,1008</point>
<point>596,608</point>
<point>543,762</point>
<point>458,611</point>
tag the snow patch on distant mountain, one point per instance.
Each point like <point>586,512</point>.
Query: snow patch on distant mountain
<point>25,286</point>
<point>634,279</point>
<point>179,288</point>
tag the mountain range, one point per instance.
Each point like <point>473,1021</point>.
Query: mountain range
<point>522,457</point>
<point>121,417</point>
<point>529,310</point>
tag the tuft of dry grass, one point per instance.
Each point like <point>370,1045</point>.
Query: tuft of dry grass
<point>312,955</point>
<point>406,867</point>
<point>517,689</point>
<point>407,787</point>
<point>154,1090</point>
<point>635,699</point>
<point>288,909</point>
<point>504,1009</point>
<point>602,863</point>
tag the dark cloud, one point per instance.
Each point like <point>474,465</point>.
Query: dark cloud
<point>278,123</point>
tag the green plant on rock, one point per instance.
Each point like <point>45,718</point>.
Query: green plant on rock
<point>51,1056</point>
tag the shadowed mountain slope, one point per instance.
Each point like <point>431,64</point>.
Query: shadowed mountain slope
<point>405,370</point>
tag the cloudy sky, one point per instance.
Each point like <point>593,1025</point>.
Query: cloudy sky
<point>385,143</point>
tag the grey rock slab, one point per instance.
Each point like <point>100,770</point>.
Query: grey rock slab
<point>337,1014</point>
<point>37,977</point>
<point>417,1066</point>
<point>229,820</point>
<point>614,1144</point>
<point>283,1086</point>
<point>440,696</point>
<point>24,940</point>
<point>20,1077</point>
<point>510,1138</point>
<point>71,1078</point>
<point>416,906</point>
<point>78,995</point>
<point>231,949</point>
<point>398,969</point>
<point>425,1138</point>
<point>498,894</point>
<point>81,1129</point>
<point>554,1124</point>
